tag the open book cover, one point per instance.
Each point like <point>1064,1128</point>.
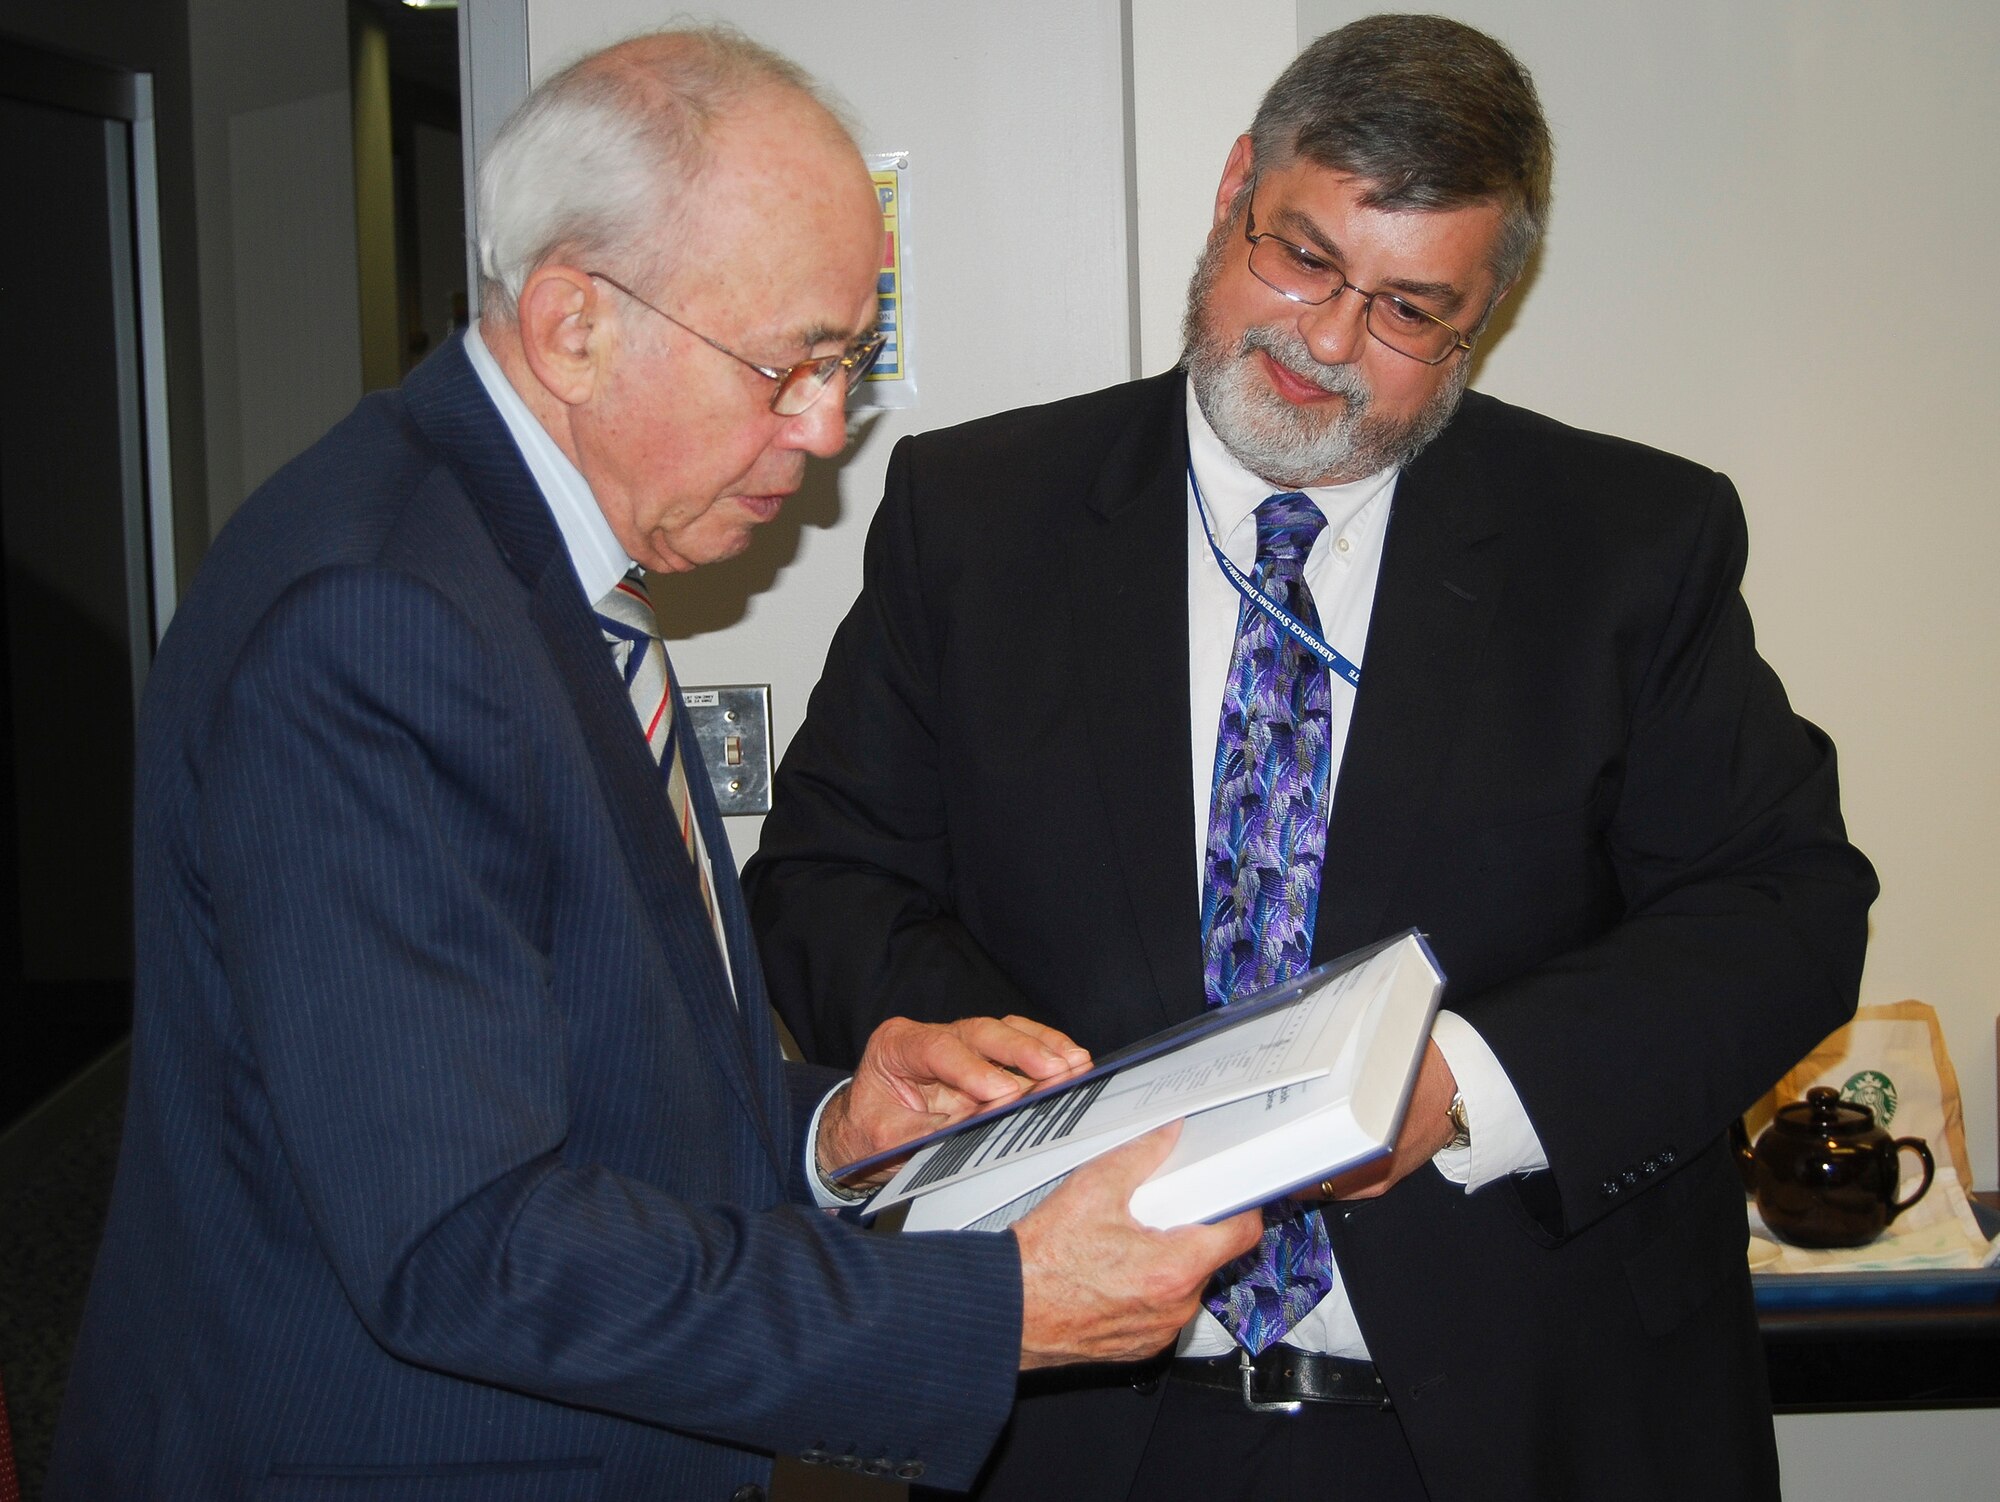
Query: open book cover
<point>1279,1089</point>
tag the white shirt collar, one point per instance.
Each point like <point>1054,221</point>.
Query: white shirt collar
<point>1233,494</point>
<point>594,551</point>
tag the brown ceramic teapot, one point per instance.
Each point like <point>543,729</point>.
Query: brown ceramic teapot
<point>1824,1174</point>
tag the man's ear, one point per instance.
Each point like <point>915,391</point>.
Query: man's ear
<point>1238,170</point>
<point>557,314</point>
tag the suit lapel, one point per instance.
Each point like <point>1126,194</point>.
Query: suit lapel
<point>1127,561</point>
<point>1434,604</point>
<point>447,402</point>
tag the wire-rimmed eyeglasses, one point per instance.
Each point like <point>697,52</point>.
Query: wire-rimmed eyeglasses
<point>1302,276</point>
<point>800,385</point>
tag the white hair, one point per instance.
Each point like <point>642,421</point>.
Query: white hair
<point>601,160</point>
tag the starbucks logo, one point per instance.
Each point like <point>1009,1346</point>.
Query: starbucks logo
<point>1876,1091</point>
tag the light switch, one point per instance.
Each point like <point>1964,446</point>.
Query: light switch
<point>732,725</point>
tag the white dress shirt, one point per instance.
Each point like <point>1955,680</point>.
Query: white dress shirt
<point>1341,571</point>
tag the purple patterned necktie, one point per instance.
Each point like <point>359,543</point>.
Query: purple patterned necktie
<point>1260,888</point>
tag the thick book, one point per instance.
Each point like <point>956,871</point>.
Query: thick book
<point>1281,1089</point>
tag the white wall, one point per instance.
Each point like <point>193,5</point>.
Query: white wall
<point>1935,1455</point>
<point>1198,70</point>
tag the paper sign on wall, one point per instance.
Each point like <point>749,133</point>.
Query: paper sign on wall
<point>891,383</point>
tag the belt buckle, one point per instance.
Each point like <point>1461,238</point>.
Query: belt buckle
<point>1248,1372</point>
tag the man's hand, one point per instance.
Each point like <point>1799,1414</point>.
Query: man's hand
<point>1098,1286</point>
<point>1426,1128</point>
<point>917,1077</point>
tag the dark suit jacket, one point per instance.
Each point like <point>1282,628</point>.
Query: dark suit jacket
<point>1567,765</point>
<point>452,1169</point>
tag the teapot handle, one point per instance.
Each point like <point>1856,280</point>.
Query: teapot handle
<point>1918,1146</point>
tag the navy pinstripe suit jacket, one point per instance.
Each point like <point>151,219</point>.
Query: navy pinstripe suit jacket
<point>452,1169</point>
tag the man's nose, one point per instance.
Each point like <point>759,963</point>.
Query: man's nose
<point>1337,329</point>
<point>822,428</point>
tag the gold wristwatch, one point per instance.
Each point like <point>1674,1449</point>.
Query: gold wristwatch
<point>1461,1130</point>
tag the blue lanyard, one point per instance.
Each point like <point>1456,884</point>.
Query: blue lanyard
<point>1306,637</point>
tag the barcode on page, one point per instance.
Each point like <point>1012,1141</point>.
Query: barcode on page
<point>1051,1121</point>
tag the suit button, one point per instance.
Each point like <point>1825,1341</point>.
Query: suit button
<point>881,1465</point>
<point>848,1462</point>
<point>1667,1155</point>
<point>910,1470</point>
<point>1610,1189</point>
<point>814,1456</point>
<point>1146,1385</point>
<point>748,1492</point>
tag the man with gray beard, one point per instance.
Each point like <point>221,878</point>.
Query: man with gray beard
<point>1288,443</point>
<point>1159,695</point>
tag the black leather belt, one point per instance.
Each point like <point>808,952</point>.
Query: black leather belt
<point>1284,1377</point>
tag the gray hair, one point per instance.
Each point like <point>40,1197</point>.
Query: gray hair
<point>601,160</point>
<point>1428,112</point>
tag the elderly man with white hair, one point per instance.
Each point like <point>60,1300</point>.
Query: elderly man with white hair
<point>460,1159</point>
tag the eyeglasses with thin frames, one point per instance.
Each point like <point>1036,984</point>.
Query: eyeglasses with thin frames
<point>1302,276</point>
<point>800,385</point>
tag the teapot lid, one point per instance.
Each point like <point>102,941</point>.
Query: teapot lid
<point>1824,1113</point>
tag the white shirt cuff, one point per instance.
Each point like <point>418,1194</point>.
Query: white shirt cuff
<point>1503,1139</point>
<point>825,1198</point>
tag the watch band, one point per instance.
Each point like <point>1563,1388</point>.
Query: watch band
<point>833,1186</point>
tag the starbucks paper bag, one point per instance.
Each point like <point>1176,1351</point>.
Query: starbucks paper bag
<point>1891,1059</point>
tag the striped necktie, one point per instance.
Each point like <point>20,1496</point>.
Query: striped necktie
<point>1260,893</point>
<point>625,616</point>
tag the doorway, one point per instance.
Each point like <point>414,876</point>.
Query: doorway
<point>84,517</point>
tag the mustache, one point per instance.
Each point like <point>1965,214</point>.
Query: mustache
<point>1288,348</point>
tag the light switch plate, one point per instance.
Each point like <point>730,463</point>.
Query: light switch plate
<point>732,725</point>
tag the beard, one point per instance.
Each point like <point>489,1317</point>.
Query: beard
<point>1280,442</point>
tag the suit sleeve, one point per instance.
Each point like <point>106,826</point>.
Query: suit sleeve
<point>851,890</point>
<point>1743,910</point>
<point>371,820</point>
